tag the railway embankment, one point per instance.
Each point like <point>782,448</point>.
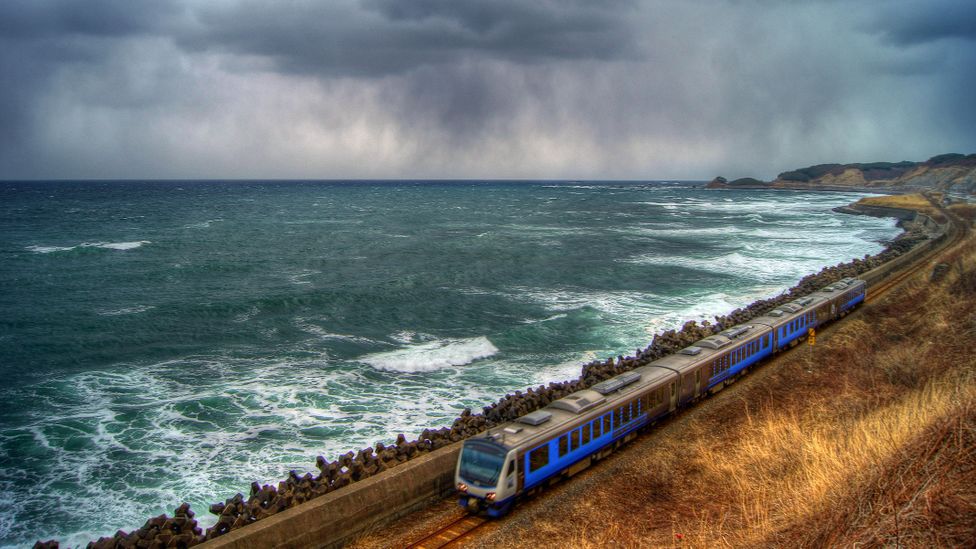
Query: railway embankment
<point>370,488</point>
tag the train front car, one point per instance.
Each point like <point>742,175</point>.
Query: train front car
<point>485,476</point>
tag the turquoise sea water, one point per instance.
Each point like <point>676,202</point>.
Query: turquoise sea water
<point>164,342</point>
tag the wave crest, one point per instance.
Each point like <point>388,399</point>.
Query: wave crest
<point>122,246</point>
<point>432,355</point>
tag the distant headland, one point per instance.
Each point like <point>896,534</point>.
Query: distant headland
<point>952,173</point>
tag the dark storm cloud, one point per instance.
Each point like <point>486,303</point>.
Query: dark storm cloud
<point>380,37</point>
<point>39,38</point>
<point>33,19</point>
<point>462,88</point>
<point>923,22</point>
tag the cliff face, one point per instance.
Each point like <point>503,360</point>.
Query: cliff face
<point>946,172</point>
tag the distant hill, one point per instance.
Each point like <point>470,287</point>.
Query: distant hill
<point>946,172</point>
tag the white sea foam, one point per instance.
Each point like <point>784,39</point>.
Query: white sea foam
<point>432,355</point>
<point>203,224</point>
<point>299,278</point>
<point>122,246</point>
<point>49,249</point>
<point>614,303</point>
<point>764,268</point>
<point>118,245</point>
<point>308,326</point>
<point>126,310</point>
<point>538,320</point>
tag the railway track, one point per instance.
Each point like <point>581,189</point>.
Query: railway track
<point>452,534</point>
<point>464,527</point>
<point>958,233</point>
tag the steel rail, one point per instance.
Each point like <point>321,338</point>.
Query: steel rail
<point>450,535</point>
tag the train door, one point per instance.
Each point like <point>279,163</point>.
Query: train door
<point>521,471</point>
<point>511,477</point>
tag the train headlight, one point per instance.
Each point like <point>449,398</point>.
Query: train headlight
<point>490,496</point>
<point>462,487</point>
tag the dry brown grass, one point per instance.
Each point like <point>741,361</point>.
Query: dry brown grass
<point>869,440</point>
<point>915,202</point>
<point>965,211</point>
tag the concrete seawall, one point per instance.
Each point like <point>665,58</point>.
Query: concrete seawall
<point>337,517</point>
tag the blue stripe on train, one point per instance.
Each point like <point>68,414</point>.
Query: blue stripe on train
<point>542,474</point>
<point>857,299</point>
<point>741,365</point>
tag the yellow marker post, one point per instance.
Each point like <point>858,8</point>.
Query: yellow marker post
<point>812,340</point>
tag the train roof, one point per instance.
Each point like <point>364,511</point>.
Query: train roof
<point>576,407</point>
<point>786,312</point>
<point>705,349</point>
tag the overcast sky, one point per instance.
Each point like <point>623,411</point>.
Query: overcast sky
<point>575,89</point>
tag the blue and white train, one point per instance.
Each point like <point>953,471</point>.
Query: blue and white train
<point>497,467</point>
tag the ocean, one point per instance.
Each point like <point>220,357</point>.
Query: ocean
<point>173,341</point>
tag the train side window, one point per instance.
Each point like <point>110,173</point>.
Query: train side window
<point>619,419</point>
<point>511,467</point>
<point>606,423</point>
<point>539,458</point>
<point>672,389</point>
<point>586,434</point>
<point>626,409</point>
<point>563,445</point>
<point>574,439</point>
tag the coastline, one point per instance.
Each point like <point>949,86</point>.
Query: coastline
<point>266,501</point>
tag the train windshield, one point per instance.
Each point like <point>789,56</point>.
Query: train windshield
<point>481,463</point>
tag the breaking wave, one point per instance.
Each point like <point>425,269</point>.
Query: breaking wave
<point>432,355</point>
